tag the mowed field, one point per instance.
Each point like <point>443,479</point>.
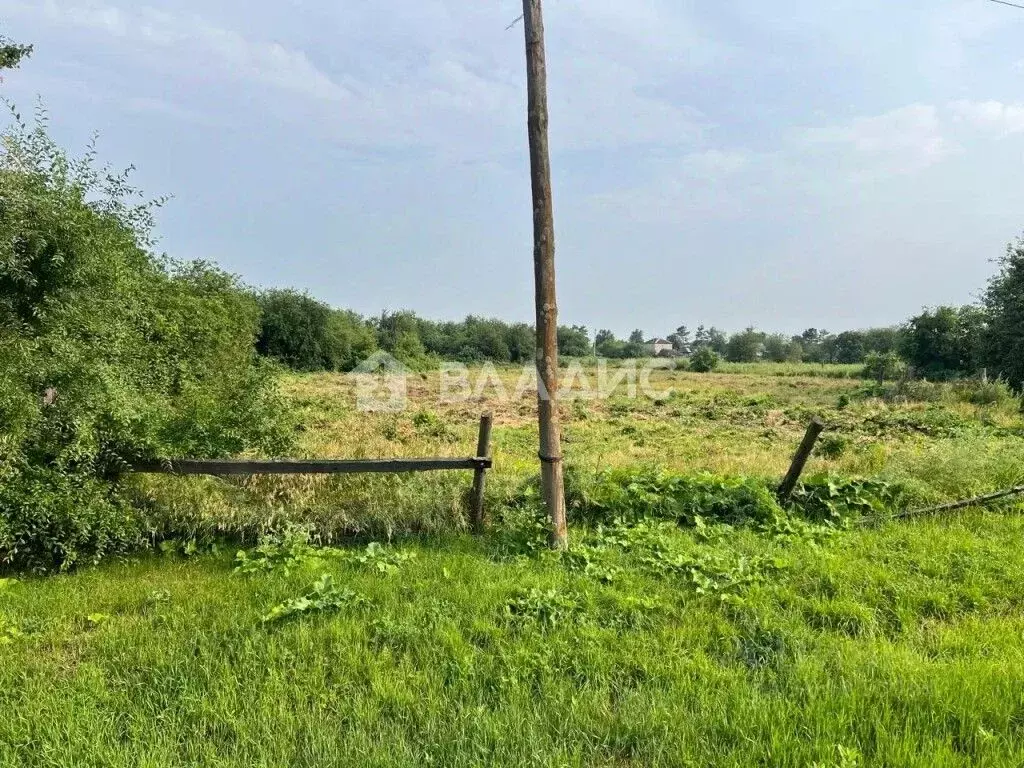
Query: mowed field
<point>371,629</point>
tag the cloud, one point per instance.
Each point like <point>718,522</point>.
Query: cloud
<point>990,116</point>
<point>908,138</point>
<point>192,36</point>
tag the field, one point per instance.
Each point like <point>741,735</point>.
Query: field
<point>722,637</point>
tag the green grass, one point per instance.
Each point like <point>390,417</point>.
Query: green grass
<point>779,643</point>
<point>892,646</point>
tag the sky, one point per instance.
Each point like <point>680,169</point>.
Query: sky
<point>836,164</point>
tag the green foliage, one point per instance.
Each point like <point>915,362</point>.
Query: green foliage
<point>1004,309</point>
<point>322,597</point>
<point>107,355</point>
<point>883,366</point>
<point>945,342</point>
<point>283,552</point>
<point>12,54</point>
<point>548,608</point>
<point>376,557</point>
<point>704,360</point>
<point>307,335</point>
<point>574,341</point>
<point>745,347</point>
<point>836,498</point>
<point>635,494</point>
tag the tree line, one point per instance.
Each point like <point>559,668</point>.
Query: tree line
<point>945,342</point>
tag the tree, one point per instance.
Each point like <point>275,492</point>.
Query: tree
<point>108,354</point>
<point>681,340</point>
<point>12,54</point>
<point>636,337</point>
<point>745,347</point>
<point>709,337</point>
<point>849,347</point>
<point>883,339</point>
<point>780,349</point>
<point>296,330</point>
<point>717,340</point>
<point>1003,338</point>
<point>574,341</point>
<point>883,366</point>
<point>945,342</point>
<point>608,346</point>
<point>816,344</point>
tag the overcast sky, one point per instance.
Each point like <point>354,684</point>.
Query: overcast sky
<point>809,163</point>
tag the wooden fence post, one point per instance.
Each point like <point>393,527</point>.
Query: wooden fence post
<point>483,451</point>
<point>803,453</point>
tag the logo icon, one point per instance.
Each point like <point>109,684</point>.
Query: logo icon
<point>381,384</point>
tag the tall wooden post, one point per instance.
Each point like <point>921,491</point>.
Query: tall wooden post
<point>544,274</point>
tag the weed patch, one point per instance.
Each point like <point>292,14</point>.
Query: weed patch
<point>322,597</point>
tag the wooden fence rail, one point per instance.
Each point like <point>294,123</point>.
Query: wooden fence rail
<point>225,467</point>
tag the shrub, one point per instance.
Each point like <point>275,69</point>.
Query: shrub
<point>883,366</point>
<point>108,354</point>
<point>650,493</point>
<point>995,393</point>
<point>307,335</point>
<point>704,360</point>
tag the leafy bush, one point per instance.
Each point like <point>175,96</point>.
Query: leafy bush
<point>108,354</point>
<point>994,393</point>
<point>883,366</point>
<point>633,494</point>
<point>834,498</point>
<point>307,335</point>
<point>704,360</point>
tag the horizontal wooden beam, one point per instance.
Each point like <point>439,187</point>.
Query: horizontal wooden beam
<point>222,467</point>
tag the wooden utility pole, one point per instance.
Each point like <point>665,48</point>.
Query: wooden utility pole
<point>544,274</point>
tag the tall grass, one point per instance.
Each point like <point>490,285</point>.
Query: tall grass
<point>890,646</point>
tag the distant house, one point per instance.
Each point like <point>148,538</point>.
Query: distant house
<point>658,347</point>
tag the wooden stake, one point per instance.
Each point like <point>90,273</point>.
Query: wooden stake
<point>544,274</point>
<point>803,453</point>
<point>483,451</point>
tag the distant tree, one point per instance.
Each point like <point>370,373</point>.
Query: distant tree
<point>681,340</point>
<point>882,339</point>
<point>636,337</point>
<point>945,342</point>
<point>700,338</point>
<point>522,342</point>
<point>883,366</point>
<point>574,341</point>
<point>353,339</point>
<point>717,340</point>
<point>745,347</point>
<point>296,330</point>
<point>709,337</point>
<point>849,347</point>
<point>780,349</point>
<point>817,345</point>
<point>1003,338</point>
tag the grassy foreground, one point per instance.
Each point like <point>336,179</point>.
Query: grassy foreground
<point>779,642</point>
<point>892,646</point>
